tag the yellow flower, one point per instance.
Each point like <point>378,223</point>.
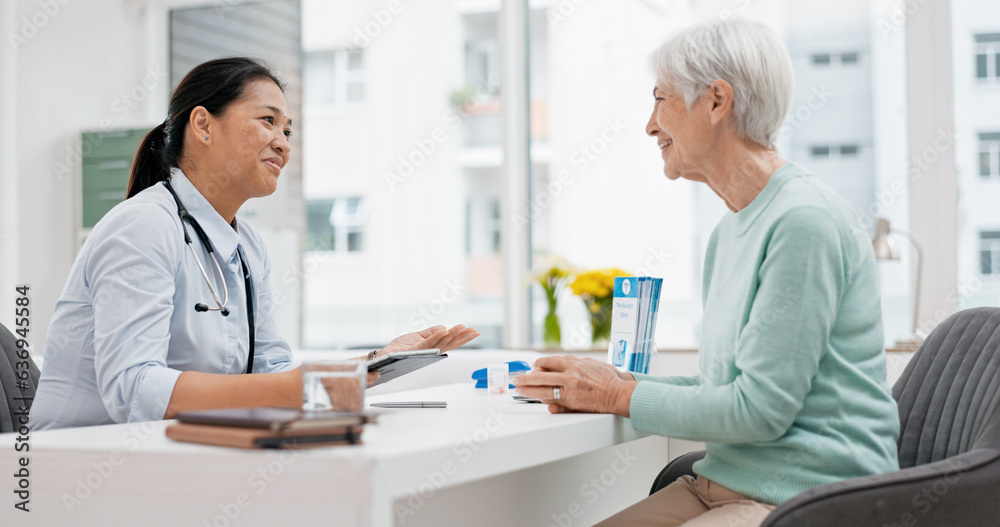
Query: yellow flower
<point>596,283</point>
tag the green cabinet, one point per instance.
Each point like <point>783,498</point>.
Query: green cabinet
<point>106,159</point>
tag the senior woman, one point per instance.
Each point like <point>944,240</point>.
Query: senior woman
<point>792,389</point>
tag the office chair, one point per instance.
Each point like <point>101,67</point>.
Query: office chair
<point>949,444</point>
<point>10,385</point>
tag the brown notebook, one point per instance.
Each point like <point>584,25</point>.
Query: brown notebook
<point>265,438</point>
<point>273,418</point>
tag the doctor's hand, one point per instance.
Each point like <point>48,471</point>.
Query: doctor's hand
<point>438,337</point>
<point>582,385</point>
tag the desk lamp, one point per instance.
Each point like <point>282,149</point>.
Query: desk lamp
<point>885,249</point>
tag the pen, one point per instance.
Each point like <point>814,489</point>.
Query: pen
<point>412,404</point>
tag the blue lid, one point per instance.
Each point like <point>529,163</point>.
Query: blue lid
<point>514,366</point>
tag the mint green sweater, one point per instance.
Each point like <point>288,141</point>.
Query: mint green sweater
<point>792,388</point>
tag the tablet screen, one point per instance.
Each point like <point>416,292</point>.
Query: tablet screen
<point>399,363</point>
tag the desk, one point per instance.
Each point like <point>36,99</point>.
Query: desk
<point>469,464</point>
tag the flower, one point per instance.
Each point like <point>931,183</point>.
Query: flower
<point>596,287</point>
<point>596,283</point>
<point>551,273</point>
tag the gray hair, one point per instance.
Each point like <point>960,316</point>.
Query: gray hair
<point>748,55</point>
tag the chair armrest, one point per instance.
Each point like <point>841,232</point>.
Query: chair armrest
<point>961,490</point>
<point>680,466</point>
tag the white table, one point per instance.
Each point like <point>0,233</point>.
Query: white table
<point>457,368</point>
<point>469,464</point>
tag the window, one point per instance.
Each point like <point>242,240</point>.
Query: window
<point>988,57</point>
<point>989,252</point>
<point>334,77</point>
<point>495,225</point>
<point>482,225</point>
<point>435,73</point>
<point>336,225</point>
<point>481,64</point>
<point>820,151</point>
<point>848,150</point>
<point>482,50</point>
<point>822,59</point>
<point>833,151</point>
<point>989,154</point>
<point>834,59</point>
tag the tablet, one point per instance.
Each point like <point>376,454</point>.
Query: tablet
<point>398,363</point>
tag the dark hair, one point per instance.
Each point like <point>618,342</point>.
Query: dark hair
<point>215,85</point>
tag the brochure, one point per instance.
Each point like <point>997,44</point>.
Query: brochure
<point>633,325</point>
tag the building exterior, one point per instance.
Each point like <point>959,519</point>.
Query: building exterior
<point>976,74</point>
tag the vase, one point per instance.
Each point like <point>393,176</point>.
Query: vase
<point>553,334</point>
<point>600,322</point>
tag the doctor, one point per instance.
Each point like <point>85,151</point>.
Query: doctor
<point>169,300</point>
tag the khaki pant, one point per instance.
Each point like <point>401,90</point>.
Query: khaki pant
<point>692,502</point>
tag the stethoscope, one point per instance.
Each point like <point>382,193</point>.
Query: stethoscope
<point>186,217</point>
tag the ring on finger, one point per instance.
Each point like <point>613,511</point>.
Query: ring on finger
<point>555,393</point>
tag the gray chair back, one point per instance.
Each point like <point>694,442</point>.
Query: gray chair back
<point>16,392</point>
<point>949,414</point>
<point>949,393</point>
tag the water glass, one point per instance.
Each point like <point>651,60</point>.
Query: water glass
<point>334,385</point>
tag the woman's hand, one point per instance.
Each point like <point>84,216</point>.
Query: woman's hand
<point>438,337</point>
<point>585,385</point>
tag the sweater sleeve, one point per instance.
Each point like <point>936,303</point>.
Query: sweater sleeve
<point>676,380</point>
<point>799,285</point>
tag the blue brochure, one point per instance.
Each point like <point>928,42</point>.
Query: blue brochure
<point>634,310</point>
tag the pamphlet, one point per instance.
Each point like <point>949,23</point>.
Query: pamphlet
<point>634,310</point>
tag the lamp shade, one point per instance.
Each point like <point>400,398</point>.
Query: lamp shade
<point>885,248</point>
